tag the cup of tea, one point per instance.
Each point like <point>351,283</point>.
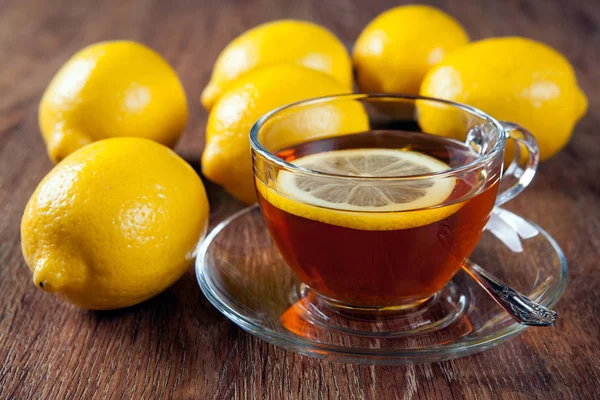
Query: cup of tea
<point>375,201</point>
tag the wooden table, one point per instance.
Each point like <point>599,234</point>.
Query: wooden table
<point>177,345</point>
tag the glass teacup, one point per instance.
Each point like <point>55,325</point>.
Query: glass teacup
<point>375,201</point>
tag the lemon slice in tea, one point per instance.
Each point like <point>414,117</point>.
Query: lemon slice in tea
<point>362,195</point>
<point>360,203</point>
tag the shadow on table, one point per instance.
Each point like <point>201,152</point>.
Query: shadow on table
<point>183,298</point>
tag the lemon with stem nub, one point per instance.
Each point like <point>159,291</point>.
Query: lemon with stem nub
<point>114,223</point>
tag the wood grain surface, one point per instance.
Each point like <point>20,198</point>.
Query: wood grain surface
<point>177,345</point>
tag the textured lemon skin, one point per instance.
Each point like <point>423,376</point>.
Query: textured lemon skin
<point>112,89</point>
<point>278,42</point>
<point>513,79</point>
<point>395,50</point>
<point>226,159</point>
<point>114,223</point>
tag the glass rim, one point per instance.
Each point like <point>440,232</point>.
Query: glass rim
<point>257,146</point>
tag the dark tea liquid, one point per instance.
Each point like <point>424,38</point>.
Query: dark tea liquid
<point>366,268</point>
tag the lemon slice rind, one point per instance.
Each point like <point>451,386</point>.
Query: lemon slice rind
<point>418,212</point>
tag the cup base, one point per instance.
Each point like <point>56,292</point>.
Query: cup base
<point>311,312</point>
<point>354,309</point>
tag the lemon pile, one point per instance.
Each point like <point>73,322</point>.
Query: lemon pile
<point>117,221</point>
<point>119,217</point>
<point>267,67</point>
<point>411,49</point>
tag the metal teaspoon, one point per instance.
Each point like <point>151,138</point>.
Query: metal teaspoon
<point>524,310</point>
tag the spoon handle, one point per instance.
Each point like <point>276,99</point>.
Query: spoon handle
<point>524,310</point>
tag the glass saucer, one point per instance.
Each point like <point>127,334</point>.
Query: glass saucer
<point>241,272</point>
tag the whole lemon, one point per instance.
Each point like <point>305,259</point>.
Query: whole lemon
<point>226,159</point>
<point>112,89</point>
<point>277,42</point>
<point>114,223</point>
<point>513,79</point>
<point>395,51</point>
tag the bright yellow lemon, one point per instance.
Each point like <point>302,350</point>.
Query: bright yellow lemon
<point>114,223</point>
<point>513,79</point>
<point>277,42</point>
<point>112,89</point>
<point>226,159</point>
<point>395,51</point>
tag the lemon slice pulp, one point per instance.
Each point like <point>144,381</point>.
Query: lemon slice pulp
<point>365,204</point>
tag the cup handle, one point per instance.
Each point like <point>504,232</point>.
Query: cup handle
<point>522,169</point>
